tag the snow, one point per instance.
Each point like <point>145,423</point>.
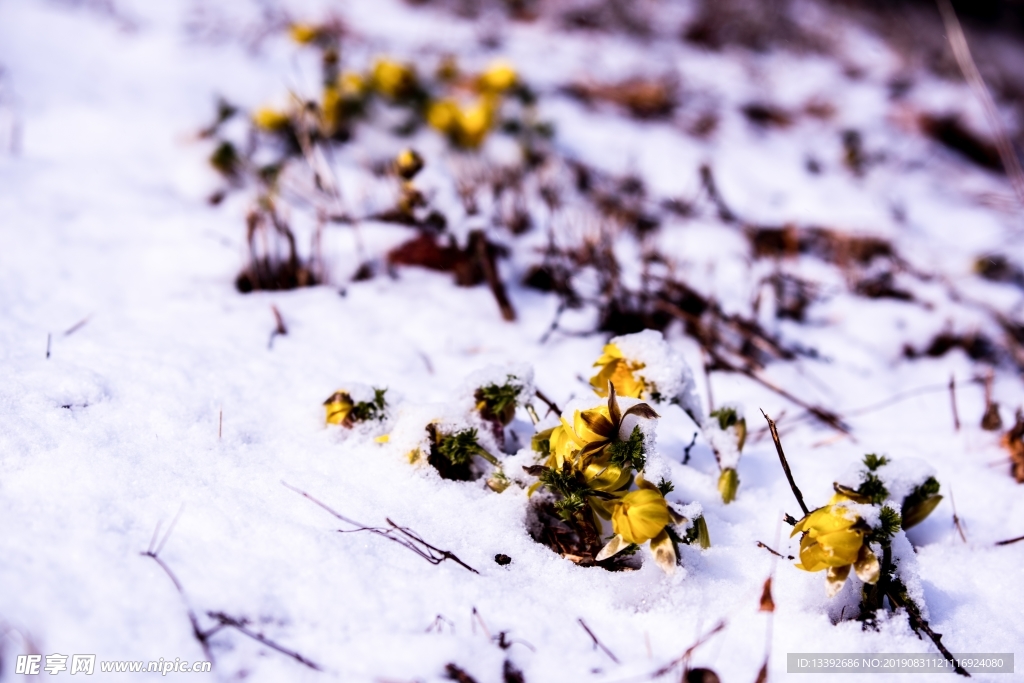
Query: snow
<point>167,403</point>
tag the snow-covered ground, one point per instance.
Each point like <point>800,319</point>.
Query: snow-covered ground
<point>137,386</point>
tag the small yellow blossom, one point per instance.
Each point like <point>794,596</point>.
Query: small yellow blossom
<point>351,84</point>
<point>303,34</point>
<point>465,126</point>
<point>392,79</point>
<point>615,368</point>
<point>834,540</point>
<point>499,77</point>
<point>332,115</point>
<point>728,482</point>
<point>270,119</point>
<point>408,163</point>
<point>640,515</point>
<point>338,406</point>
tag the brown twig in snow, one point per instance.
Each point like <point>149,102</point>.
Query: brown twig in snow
<point>952,400</point>
<point>598,643</point>
<point>1010,540</point>
<point>962,53</point>
<point>785,464</point>
<point>240,625</point>
<point>956,520</point>
<point>685,657</point>
<point>279,329</point>
<point>774,552</point>
<point>77,326</point>
<point>552,407</point>
<point>403,536</point>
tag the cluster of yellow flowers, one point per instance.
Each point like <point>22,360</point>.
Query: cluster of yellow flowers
<point>837,537</point>
<point>593,462</point>
<point>463,107</point>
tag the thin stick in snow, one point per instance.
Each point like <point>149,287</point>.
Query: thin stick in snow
<point>962,53</point>
<point>77,326</point>
<point>598,643</point>
<point>281,328</point>
<point>1010,540</point>
<point>785,464</point>
<point>403,536</point>
<point>952,400</point>
<point>774,552</point>
<point>956,520</point>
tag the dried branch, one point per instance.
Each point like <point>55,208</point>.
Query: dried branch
<point>919,623</point>
<point>785,464</point>
<point>1010,540</point>
<point>685,657</point>
<point>552,407</point>
<point>77,326</point>
<point>240,626</point>
<point>687,449</point>
<point>776,553</point>
<point>952,401</point>
<point>962,53</point>
<point>403,536</point>
<point>279,329</point>
<point>598,643</point>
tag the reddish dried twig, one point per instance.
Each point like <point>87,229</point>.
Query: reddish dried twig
<point>598,643</point>
<point>785,464</point>
<point>403,536</point>
<point>240,625</point>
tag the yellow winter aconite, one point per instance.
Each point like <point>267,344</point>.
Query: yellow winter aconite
<point>466,126</point>
<point>834,540</point>
<point>615,368</point>
<point>270,119</point>
<point>392,79</point>
<point>303,34</point>
<point>499,77</point>
<point>338,406</point>
<point>640,515</point>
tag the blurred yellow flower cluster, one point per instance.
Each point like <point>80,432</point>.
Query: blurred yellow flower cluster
<point>466,118</point>
<point>595,467</point>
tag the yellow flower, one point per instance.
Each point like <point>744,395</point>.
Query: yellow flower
<point>619,371</point>
<point>834,540</point>
<point>303,34</point>
<point>408,163</point>
<point>465,126</point>
<point>392,79</point>
<point>640,515</point>
<point>499,77</point>
<point>331,109</point>
<point>351,84</point>
<point>728,482</point>
<point>270,119</point>
<point>338,406</point>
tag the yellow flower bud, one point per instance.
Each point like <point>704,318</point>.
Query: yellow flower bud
<point>619,371</point>
<point>833,537</point>
<point>270,119</point>
<point>338,406</point>
<point>351,84</point>
<point>393,79</point>
<point>303,34</point>
<point>640,515</point>
<point>498,77</point>
<point>443,115</point>
<point>728,482</point>
<point>332,114</point>
<point>408,163</point>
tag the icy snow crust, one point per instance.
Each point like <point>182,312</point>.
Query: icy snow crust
<point>105,218</point>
